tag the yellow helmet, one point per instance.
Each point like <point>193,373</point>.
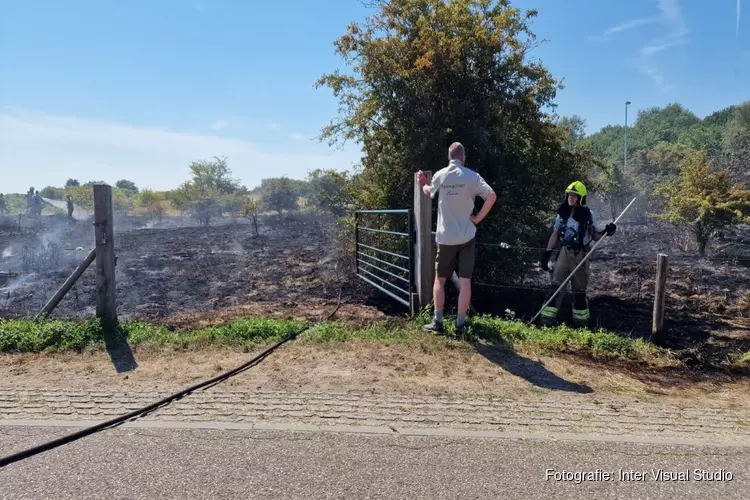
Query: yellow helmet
<point>578,188</point>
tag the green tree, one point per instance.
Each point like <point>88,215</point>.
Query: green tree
<point>214,175</point>
<point>252,210</point>
<point>279,194</point>
<point>128,186</point>
<point>703,200</point>
<point>122,202</point>
<point>151,203</point>
<point>655,125</point>
<point>200,201</point>
<point>210,191</point>
<point>736,144</point>
<point>660,165</point>
<point>425,73</point>
<point>575,128</point>
<point>329,191</point>
<point>72,183</point>
<point>52,193</point>
<point>82,196</point>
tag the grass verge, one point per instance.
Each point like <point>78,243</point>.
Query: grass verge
<point>67,335</point>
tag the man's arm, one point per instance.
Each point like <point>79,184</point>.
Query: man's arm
<point>488,202</point>
<point>483,190</point>
<point>428,188</point>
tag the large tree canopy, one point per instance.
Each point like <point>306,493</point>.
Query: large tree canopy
<point>425,73</point>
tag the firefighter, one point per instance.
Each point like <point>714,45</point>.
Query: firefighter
<point>575,229</point>
<point>71,208</point>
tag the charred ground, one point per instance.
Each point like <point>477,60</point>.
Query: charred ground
<point>183,275</point>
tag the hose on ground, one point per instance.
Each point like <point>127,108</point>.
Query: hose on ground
<point>162,402</point>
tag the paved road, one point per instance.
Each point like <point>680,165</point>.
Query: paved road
<point>150,461</point>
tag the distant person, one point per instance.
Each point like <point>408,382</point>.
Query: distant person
<point>37,203</point>
<point>575,228</point>
<point>29,198</point>
<point>456,227</point>
<point>71,207</point>
<point>3,206</point>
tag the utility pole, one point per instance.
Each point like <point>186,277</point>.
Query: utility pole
<point>625,166</point>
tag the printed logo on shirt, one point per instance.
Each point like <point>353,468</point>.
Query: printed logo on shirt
<point>452,186</point>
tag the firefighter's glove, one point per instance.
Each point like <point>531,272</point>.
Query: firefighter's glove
<point>545,259</point>
<point>610,229</point>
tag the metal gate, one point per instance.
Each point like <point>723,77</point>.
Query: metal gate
<point>397,269</point>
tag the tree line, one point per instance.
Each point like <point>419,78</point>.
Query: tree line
<point>211,192</point>
<point>693,173</point>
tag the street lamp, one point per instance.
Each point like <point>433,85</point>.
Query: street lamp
<point>625,167</point>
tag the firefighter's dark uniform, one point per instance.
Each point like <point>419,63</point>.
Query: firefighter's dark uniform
<point>575,227</point>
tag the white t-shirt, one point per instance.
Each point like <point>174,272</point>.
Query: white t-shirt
<point>458,187</point>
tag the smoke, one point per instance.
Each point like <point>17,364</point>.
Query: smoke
<point>8,291</point>
<point>78,212</point>
<point>7,253</point>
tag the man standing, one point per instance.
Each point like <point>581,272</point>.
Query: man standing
<point>456,227</point>
<point>575,228</point>
<point>70,209</point>
<point>37,204</point>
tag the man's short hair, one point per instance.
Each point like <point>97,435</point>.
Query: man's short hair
<point>456,151</point>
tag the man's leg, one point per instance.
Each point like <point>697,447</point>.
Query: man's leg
<point>465,270</point>
<point>438,293</point>
<point>445,263</point>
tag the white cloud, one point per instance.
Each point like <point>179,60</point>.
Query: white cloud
<point>658,77</point>
<point>650,50</point>
<point>629,25</point>
<point>219,125</point>
<point>273,126</point>
<point>298,137</point>
<point>739,9</point>
<point>38,149</point>
<point>677,32</point>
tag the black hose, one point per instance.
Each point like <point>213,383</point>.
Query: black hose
<point>153,406</point>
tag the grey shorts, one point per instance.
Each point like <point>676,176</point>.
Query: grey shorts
<point>448,256</point>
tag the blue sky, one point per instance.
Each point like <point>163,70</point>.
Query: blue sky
<point>106,89</point>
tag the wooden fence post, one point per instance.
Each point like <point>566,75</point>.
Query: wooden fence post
<point>425,263</point>
<point>106,296</point>
<point>657,327</point>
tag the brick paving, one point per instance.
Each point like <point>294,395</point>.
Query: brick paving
<point>550,413</point>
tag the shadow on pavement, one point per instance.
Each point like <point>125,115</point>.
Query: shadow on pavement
<point>532,371</point>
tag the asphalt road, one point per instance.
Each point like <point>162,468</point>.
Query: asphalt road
<point>157,463</point>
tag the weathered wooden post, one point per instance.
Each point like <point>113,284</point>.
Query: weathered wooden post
<point>106,296</point>
<point>657,327</point>
<point>425,264</point>
<point>52,303</point>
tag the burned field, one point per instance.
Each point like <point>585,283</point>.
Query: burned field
<point>187,276</point>
<point>707,299</point>
<point>184,276</point>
